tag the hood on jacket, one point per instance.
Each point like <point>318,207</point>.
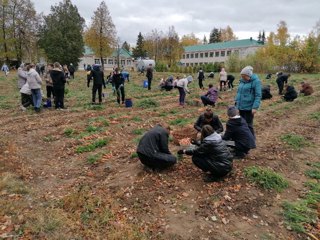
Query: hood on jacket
<point>213,137</point>
<point>253,78</point>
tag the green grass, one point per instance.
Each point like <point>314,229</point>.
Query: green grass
<point>136,119</point>
<point>92,129</point>
<point>138,131</point>
<point>68,132</point>
<point>92,159</point>
<point>266,178</point>
<point>89,148</point>
<point>134,155</point>
<point>295,141</point>
<point>315,116</point>
<point>313,173</point>
<point>147,103</point>
<point>179,121</point>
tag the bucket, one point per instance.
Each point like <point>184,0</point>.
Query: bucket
<point>145,83</point>
<point>47,104</point>
<point>128,102</point>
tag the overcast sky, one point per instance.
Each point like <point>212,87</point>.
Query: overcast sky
<point>246,18</point>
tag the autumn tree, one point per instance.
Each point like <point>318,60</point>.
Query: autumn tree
<point>173,49</point>
<point>154,43</point>
<point>61,34</point>
<point>215,36</point>
<point>189,40</point>
<point>101,34</point>
<point>204,41</point>
<point>282,36</point>
<point>139,51</point>
<point>226,34</point>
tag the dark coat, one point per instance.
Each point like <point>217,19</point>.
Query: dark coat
<point>237,130</point>
<point>266,93</point>
<point>283,78</point>
<point>58,78</point>
<point>117,80</point>
<point>149,73</point>
<point>154,143</point>
<point>215,152</point>
<point>98,77</point>
<point>290,94</point>
<point>230,78</point>
<point>215,123</point>
<point>306,89</point>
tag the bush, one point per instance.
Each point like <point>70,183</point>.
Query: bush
<point>266,178</point>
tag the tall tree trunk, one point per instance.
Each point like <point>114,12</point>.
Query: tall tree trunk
<point>5,48</point>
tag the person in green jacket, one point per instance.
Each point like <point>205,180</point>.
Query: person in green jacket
<point>248,96</point>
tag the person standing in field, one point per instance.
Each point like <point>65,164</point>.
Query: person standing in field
<point>248,96</point>
<point>200,78</point>
<point>49,84</point>
<point>223,79</point>
<point>149,75</point>
<point>98,81</point>
<point>59,81</point>
<point>182,85</point>
<point>34,81</point>
<point>118,82</point>
<point>22,76</point>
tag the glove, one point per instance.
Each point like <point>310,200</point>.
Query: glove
<point>180,152</point>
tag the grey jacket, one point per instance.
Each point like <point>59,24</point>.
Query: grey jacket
<point>33,79</point>
<point>22,77</point>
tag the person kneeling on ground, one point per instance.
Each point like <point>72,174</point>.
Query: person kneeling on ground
<point>153,148</point>
<point>306,89</point>
<point>210,97</point>
<point>266,92</point>
<point>290,93</point>
<point>209,118</point>
<point>238,131</point>
<point>212,155</point>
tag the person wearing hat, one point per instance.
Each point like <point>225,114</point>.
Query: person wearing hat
<point>248,96</point>
<point>182,85</point>
<point>238,131</point>
<point>211,155</point>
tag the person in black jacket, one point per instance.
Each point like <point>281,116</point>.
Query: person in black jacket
<point>118,82</point>
<point>71,70</point>
<point>212,155</point>
<point>230,79</point>
<point>266,94</point>
<point>149,75</point>
<point>237,130</point>
<point>290,93</point>
<point>282,79</point>
<point>153,148</point>
<point>209,118</point>
<point>58,81</point>
<point>98,80</point>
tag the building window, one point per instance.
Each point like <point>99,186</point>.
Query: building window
<point>104,61</point>
<point>201,55</point>
<point>97,61</point>
<point>223,53</point>
<point>123,62</point>
<point>206,54</point>
<point>183,56</point>
<point>228,53</point>
<point>187,64</point>
<point>187,55</point>
<point>191,55</point>
<point>191,64</point>
<point>128,62</point>
<point>196,55</point>
<point>110,61</point>
<point>236,52</point>
<point>196,64</point>
<point>217,54</point>
<point>211,54</point>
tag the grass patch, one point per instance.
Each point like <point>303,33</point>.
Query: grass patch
<point>68,132</point>
<point>92,129</point>
<point>88,148</point>
<point>48,138</point>
<point>266,178</point>
<point>147,103</point>
<point>138,131</point>
<point>92,159</point>
<point>134,155</point>
<point>136,119</point>
<point>179,121</point>
<point>12,184</point>
<point>101,120</point>
<point>315,116</point>
<point>316,164</point>
<point>313,173</point>
<point>295,141</point>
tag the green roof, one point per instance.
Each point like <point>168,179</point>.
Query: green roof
<point>123,52</point>
<point>223,45</point>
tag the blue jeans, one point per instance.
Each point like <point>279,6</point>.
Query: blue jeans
<point>36,97</point>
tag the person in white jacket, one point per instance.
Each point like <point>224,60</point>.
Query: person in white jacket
<point>26,97</point>
<point>22,75</point>
<point>223,79</point>
<point>182,85</point>
<point>34,81</point>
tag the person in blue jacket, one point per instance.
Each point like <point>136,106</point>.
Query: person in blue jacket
<point>248,96</point>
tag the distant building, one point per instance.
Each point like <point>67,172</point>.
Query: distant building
<point>125,59</point>
<point>218,52</point>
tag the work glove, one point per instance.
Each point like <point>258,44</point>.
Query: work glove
<point>180,152</point>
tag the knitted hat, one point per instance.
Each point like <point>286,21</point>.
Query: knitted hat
<point>247,71</point>
<point>232,111</point>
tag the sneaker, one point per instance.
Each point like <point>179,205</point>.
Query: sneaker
<point>23,108</point>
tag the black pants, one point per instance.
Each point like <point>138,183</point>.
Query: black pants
<point>59,97</point>
<point>26,100</point>
<point>206,101</point>
<point>280,86</point>
<point>206,167</point>
<point>50,91</point>
<point>120,94</point>
<point>95,88</point>
<point>200,83</point>
<point>162,161</point>
<point>149,83</point>
<point>248,116</point>
<point>224,83</point>
<point>230,84</point>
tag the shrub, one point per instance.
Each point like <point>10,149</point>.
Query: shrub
<point>266,178</point>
